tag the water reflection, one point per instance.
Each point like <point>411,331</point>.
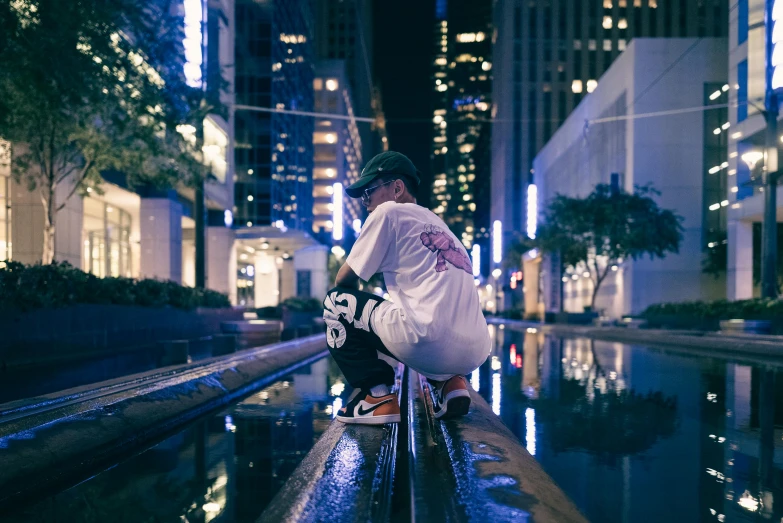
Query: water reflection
<point>639,434</point>
<point>224,468</point>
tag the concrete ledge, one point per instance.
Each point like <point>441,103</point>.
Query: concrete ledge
<point>346,477</point>
<point>496,478</point>
<point>335,480</point>
<point>48,442</point>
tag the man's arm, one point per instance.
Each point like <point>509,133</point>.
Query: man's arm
<point>346,277</point>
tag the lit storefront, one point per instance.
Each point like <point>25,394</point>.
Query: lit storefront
<point>106,238</point>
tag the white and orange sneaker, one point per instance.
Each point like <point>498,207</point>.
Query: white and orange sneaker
<point>366,409</point>
<point>452,397</point>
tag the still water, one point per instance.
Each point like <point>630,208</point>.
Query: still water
<point>632,434</point>
<point>225,468</point>
<point>636,434</point>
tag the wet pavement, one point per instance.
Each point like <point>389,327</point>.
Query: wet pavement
<point>226,467</point>
<point>634,434</point>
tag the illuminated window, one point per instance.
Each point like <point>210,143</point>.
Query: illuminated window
<point>440,61</point>
<point>331,84</point>
<point>591,85</point>
<point>486,66</point>
<point>607,22</point>
<point>622,24</point>
<point>576,86</point>
<point>318,84</point>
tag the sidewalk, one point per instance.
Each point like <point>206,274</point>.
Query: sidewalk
<point>736,345</point>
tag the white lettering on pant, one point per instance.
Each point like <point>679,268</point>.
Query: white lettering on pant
<point>333,310</point>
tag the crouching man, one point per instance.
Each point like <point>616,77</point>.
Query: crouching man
<point>433,322</point>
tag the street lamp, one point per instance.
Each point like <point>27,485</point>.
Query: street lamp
<point>773,74</point>
<point>496,274</point>
<point>769,247</point>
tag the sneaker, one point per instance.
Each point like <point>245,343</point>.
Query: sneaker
<point>366,409</point>
<point>452,397</point>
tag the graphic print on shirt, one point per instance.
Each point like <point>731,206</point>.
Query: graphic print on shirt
<point>437,241</point>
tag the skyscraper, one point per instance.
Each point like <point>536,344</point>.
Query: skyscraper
<point>274,152</point>
<point>343,31</point>
<point>462,83</point>
<point>548,55</point>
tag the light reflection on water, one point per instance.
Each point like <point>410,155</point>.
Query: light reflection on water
<point>642,434</point>
<point>225,468</point>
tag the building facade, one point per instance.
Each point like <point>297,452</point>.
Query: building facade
<point>548,56</point>
<point>338,158</point>
<point>462,88</point>
<point>615,133</point>
<point>343,31</point>
<point>144,232</point>
<point>273,152</point>
<point>745,159</point>
<point>277,256</point>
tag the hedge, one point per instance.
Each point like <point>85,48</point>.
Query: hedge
<point>707,315</point>
<point>25,288</point>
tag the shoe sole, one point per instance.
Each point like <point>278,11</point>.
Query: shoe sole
<point>457,404</point>
<point>370,420</point>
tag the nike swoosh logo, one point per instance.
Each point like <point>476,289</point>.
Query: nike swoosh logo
<point>362,412</point>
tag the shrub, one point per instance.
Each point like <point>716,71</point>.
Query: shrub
<point>303,304</point>
<point>707,315</point>
<point>32,287</point>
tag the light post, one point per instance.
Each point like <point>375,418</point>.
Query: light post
<point>773,82</point>
<point>496,274</point>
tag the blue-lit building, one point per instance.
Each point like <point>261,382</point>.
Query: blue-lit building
<point>277,256</point>
<point>274,69</point>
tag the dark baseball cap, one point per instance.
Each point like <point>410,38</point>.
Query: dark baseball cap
<point>389,162</point>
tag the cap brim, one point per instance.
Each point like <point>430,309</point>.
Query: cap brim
<point>355,189</point>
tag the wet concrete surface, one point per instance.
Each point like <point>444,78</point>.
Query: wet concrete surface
<point>224,467</point>
<point>42,449</point>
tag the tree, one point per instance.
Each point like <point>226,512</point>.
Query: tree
<point>606,227</point>
<point>88,86</point>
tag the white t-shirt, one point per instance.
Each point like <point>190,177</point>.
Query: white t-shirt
<point>434,323</point>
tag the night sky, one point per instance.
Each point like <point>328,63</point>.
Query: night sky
<point>403,32</point>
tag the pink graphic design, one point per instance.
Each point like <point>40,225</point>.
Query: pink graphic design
<point>437,241</point>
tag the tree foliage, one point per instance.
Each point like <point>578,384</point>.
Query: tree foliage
<point>607,226</point>
<point>88,86</point>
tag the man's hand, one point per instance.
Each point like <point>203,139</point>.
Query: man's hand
<point>346,277</point>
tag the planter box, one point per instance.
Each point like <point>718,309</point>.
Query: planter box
<point>571,318</point>
<point>746,326</point>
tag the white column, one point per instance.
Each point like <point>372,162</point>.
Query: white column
<point>222,261</point>
<point>161,239</point>
<point>314,259</point>
<point>266,284</point>
<point>739,276</point>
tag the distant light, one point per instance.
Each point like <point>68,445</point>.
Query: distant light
<point>497,241</point>
<point>586,274</point>
<point>530,431</point>
<point>565,279</point>
<point>337,211</point>
<point>714,206</point>
<point>532,210</point>
<point>496,273</point>
<point>614,268</point>
<point>714,95</point>
<point>357,226</point>
<point>751,158</point>
<point>211,507</point>
<point>251,271</point>
<point>331,84</point>
<point>192,43</point>
<point>576,86</point>
<point>476,254</point>
<point>250,197</point>
<point>331,138</point>
<point>724,203</point>
<point>228,218</point>
<point>591,85</point>
<point>338,251</point>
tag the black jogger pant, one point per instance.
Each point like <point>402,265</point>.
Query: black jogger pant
<point>352,342</point>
